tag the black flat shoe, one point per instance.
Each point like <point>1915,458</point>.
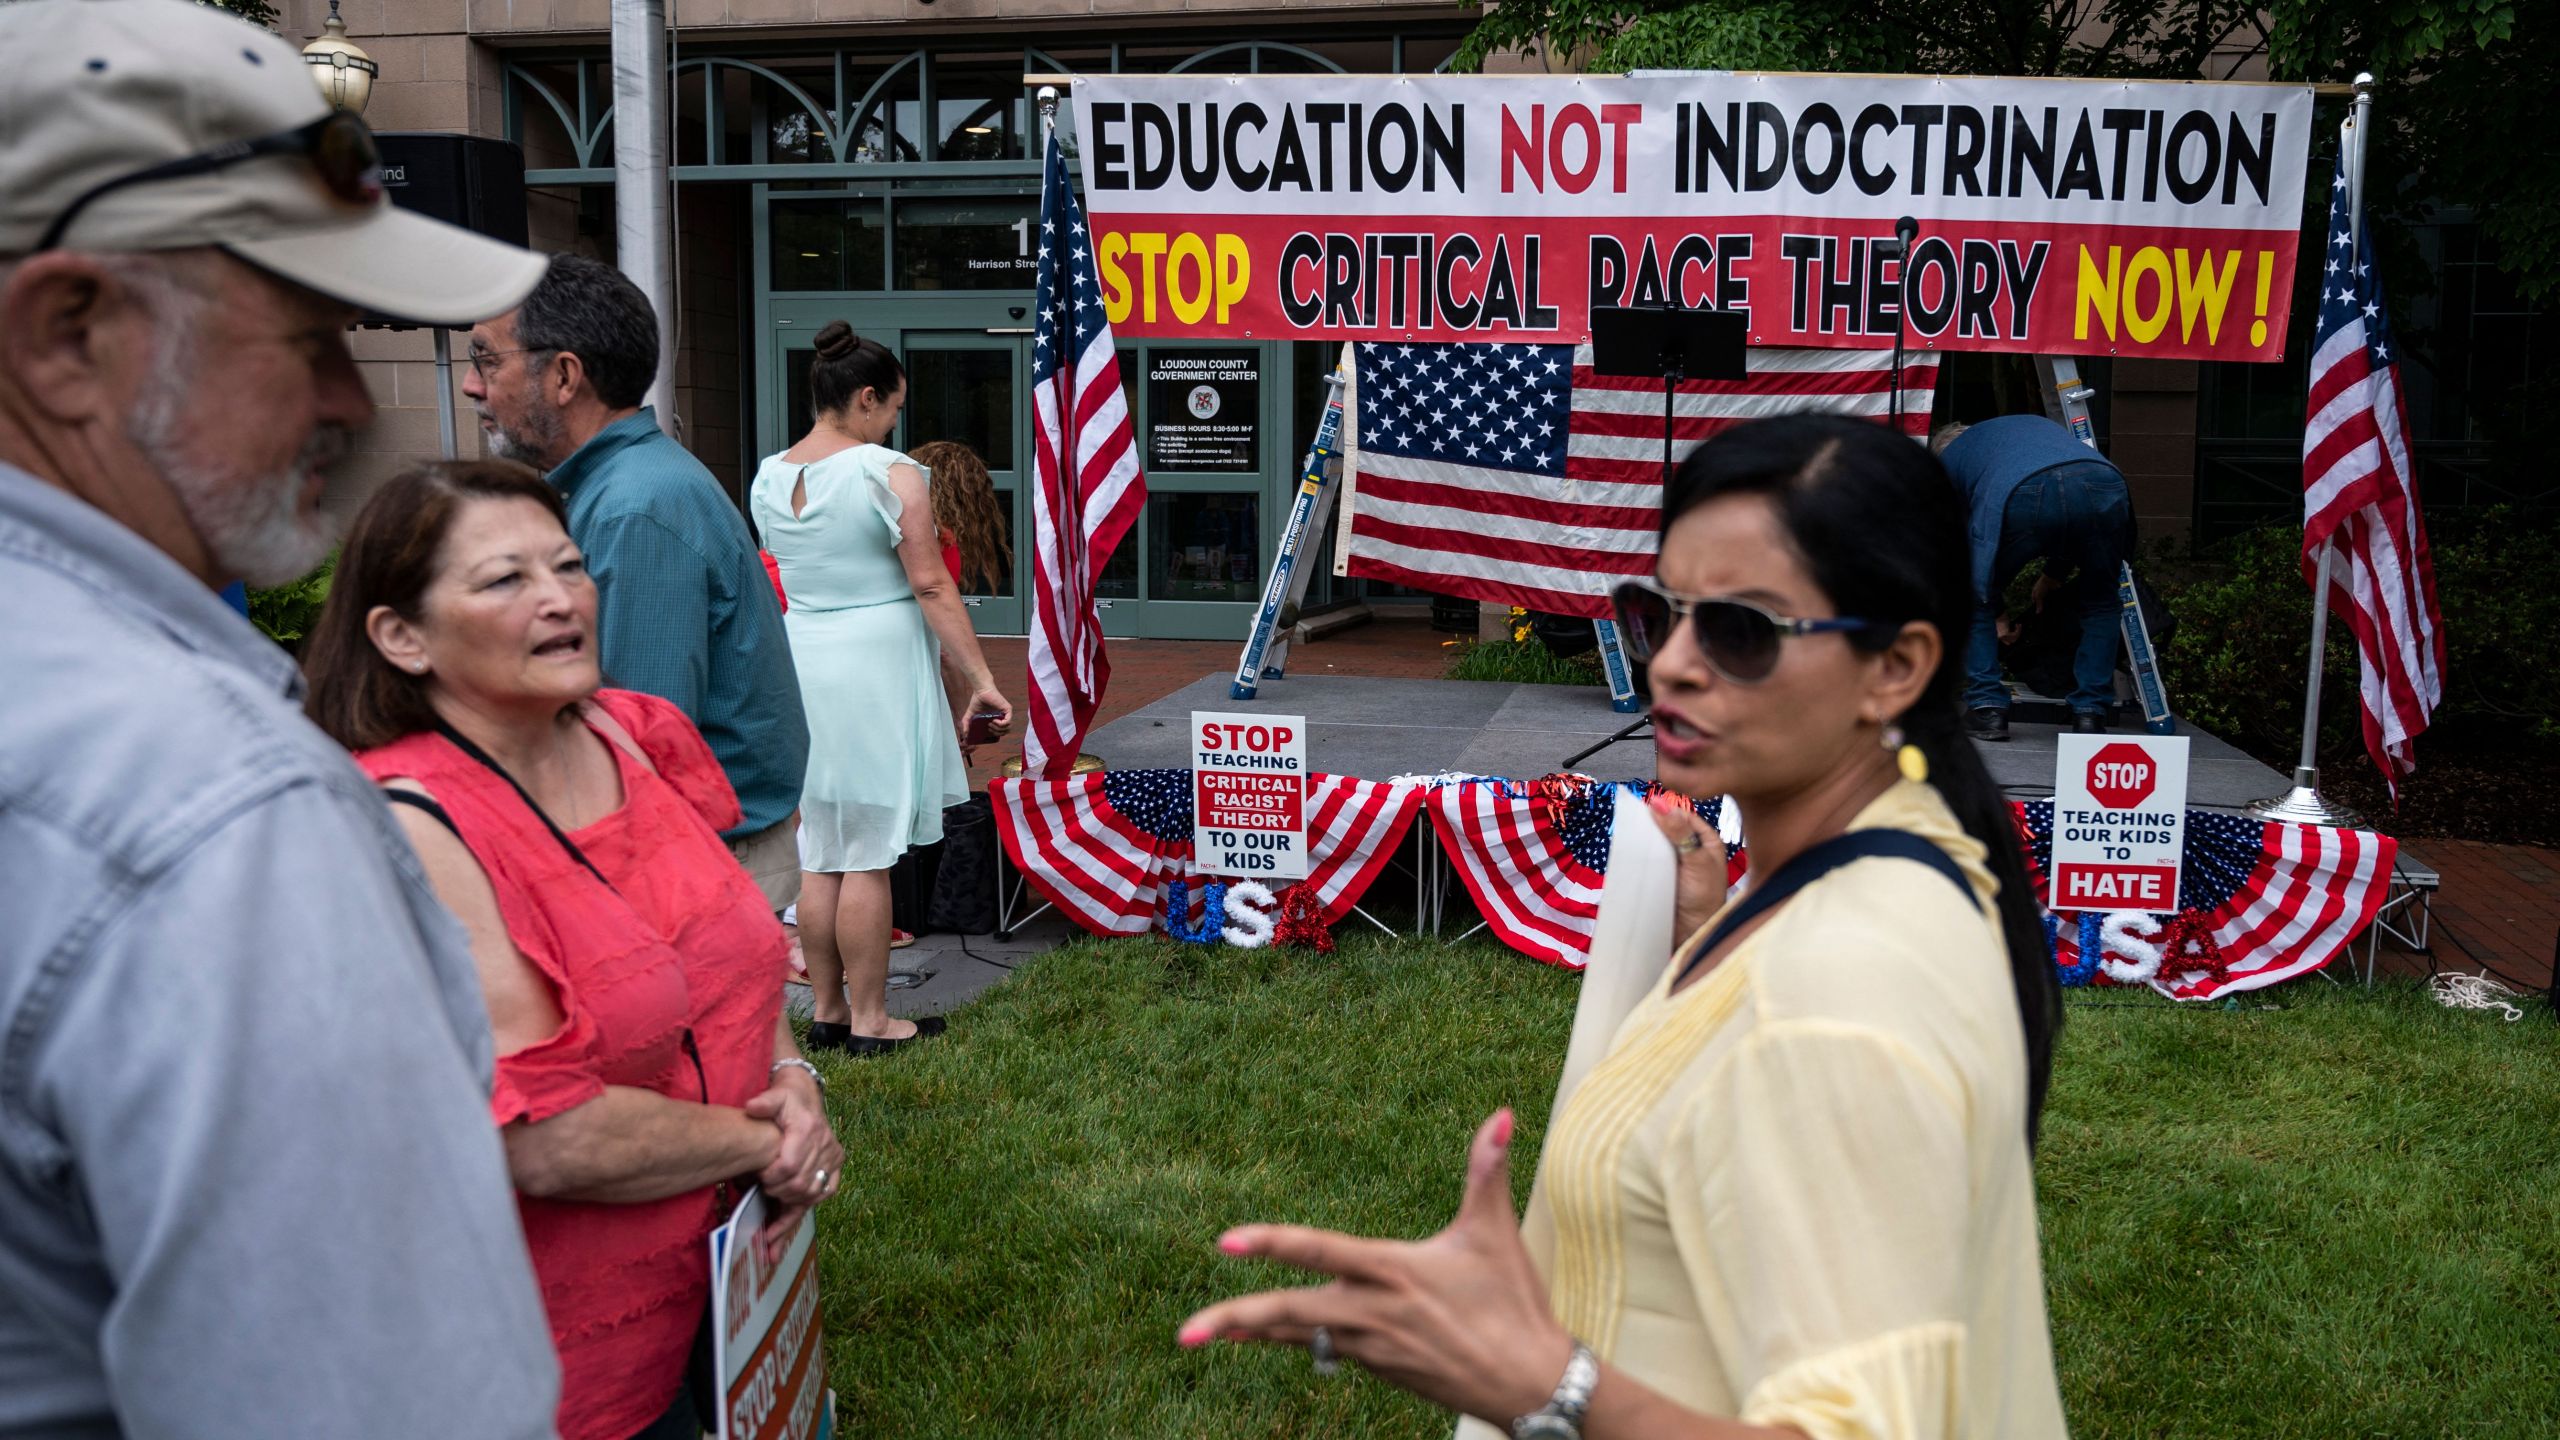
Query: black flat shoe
<point>1987,722</point>
<point>927,1026</point>
<point>2088,722</point>
<point>823,1036</point>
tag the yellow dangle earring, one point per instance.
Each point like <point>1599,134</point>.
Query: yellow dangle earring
<point>1906,756</point>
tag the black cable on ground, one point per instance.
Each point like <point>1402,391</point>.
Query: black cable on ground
<point>974,955</point>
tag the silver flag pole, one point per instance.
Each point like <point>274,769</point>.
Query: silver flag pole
<point>2303,803</point>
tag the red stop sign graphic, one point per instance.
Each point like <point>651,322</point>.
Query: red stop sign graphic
<point>2122,776</point>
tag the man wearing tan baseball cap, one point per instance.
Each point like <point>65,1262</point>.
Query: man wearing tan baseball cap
<point>249,1183</point>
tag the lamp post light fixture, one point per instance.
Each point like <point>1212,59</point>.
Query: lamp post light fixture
<point>344,73</point>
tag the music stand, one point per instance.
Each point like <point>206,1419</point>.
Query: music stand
<point>1675,344</point>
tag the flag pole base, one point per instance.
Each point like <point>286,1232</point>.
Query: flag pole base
<point>1087,763</point>
<point>2305,805</point>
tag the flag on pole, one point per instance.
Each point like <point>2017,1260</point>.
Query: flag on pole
<point>1085,489</point>
<point>2360,493</point>
<point>1517,474</point>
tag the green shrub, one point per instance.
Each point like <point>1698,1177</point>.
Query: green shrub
<point>2235,665</point>
<point>287,612</point>
<point>1524,662</point>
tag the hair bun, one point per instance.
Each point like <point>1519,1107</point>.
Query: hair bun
<point>836,340</point>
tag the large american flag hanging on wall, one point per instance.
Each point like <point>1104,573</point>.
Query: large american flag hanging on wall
<point>1085,489</point>
<point>2360,493</point>
<point>1516,474</point>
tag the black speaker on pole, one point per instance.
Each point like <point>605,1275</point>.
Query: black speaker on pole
<point>472,181</point>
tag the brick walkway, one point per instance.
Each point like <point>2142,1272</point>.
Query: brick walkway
<point>2500,901</point>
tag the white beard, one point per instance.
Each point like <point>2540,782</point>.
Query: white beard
<point>256,528</point>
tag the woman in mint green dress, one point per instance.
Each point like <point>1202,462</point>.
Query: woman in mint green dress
<point>872,613</point>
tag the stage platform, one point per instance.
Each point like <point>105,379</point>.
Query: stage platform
<point>1380,728</point>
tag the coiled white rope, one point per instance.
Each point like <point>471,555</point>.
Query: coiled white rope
<point>2473,992</point>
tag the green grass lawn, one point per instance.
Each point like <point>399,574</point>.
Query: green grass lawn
<point>2339,1217</point>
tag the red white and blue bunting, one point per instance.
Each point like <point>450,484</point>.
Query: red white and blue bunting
<point>1532,853</point>
<point>1103,847</point>
<point>2260,902</point>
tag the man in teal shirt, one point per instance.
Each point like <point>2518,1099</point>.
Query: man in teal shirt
<point>685,608</point>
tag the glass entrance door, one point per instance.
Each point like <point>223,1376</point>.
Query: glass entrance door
<point>969,383</point>
<point>1217,484</point>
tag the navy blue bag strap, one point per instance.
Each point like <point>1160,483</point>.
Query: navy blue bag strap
<point>1817,862</point>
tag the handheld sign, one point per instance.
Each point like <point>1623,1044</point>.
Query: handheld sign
<point>765,1346</point>
<point>1249,794</point>
<point>2119,822</point>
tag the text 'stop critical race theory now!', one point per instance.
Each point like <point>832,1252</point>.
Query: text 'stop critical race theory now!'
<point>2129,218</point>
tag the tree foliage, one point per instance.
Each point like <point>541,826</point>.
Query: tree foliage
<point>2004,37</point>
<point>2466,90</point>
<point>256,12</point>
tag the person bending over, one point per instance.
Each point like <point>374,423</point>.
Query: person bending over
<point>2033,491</point>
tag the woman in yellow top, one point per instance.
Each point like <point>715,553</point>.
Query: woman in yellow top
<point>1794,1196</point>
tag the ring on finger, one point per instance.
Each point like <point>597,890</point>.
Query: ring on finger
<point>1321,1354</point>
<point>1687,844</point>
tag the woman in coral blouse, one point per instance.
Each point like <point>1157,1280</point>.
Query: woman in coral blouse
<point>1791,1194</point>
<point>632,970</point>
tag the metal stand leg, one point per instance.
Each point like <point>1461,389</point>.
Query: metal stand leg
<point>1007,920</point>
<point>1627,733</point>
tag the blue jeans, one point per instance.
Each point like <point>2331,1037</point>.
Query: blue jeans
<point>2073,517</point>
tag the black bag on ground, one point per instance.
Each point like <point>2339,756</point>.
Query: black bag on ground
<point>962,897</point>
<point>911,887</point>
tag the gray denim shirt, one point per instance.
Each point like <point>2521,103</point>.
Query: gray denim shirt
<point>249,1185</point>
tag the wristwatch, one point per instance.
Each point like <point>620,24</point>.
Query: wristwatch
<point>1562,1417</point>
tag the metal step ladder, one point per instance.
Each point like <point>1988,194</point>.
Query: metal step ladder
<point>2066,402</point>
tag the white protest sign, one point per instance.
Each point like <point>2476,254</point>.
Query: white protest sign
<point>1249,794</point>
<point>2119,822</point>
<point>766,1346</point>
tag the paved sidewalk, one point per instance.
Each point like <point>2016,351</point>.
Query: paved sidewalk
<point>2499,907</point>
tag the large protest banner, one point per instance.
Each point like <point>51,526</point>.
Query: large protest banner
<point>2056,216</point>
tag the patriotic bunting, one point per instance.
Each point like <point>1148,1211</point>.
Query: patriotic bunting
<point>2276,900</point>
<point>1533,853</point>
<point>1101,847</point>
<point>2260,902</point>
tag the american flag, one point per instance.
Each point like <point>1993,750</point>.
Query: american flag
<point>2281,900</point>
<point>1533,855</point>
<point>1101,847</point>
<point>1086,490</point>
<point>1516,474</point>
<point>2360,494</point>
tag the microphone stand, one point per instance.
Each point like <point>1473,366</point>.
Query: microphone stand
<point>1905,230</point>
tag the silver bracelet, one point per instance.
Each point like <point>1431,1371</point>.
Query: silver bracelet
<point>796,1063</point>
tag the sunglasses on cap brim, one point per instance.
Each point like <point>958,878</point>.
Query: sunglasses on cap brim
<point>341,151</point>
<point>1740,640</point>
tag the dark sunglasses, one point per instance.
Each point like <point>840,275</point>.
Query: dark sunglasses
<point>1739,639</point>
<point>337,144</point>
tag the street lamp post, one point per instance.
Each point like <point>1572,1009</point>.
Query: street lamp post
<point>344,73</point>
